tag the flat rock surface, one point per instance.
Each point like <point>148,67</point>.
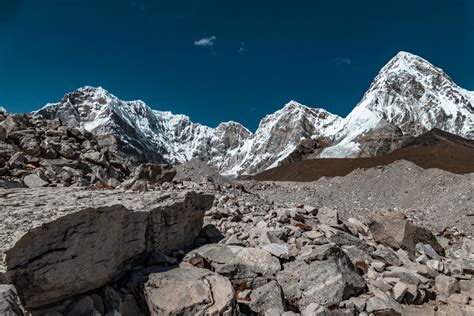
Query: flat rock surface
<point>52,236</point>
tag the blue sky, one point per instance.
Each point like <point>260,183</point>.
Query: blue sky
<point>223,60</point>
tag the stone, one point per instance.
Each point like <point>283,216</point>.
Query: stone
<point>328,216</point>
<point>358,226</point>
<point>393,230</point>
<point>399,291</point>
<point>9,302</point>
<point>31,146</point>
<point>57,234</point>
<point>239,264</point>
<point>155,173</point>
<point>467,286</point>
<point>427,250</point>
<point>267,297</point>
<point>315,309</point>
<point>94,157</point>
<point>383,304</point>
<point>66,151</point>
<point>3,133</point>
<point>278,250</point>
<point>327,282</point>
<point>82,306</point>
<point>18,160</point>
<point>189,291</point>
<point>35,181</point>
<point>139,186</point>
<point>458,298</point>
<point>387,255</point>
<point>446,285</point>
<point>211,234</point>
<point>311,253</point>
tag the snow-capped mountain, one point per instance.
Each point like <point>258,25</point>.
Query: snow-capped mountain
<point>408,97</point>
<point>411,94</point>
<point>161,136</point>
<point>3,110</point>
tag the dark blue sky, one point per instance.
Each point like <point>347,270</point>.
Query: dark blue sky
<point>320,53</point>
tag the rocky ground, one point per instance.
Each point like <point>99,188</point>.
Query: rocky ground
<point>394,240</point>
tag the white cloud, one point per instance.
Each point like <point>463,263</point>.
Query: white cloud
<point>343,61</point>
<point>242,48</point>
<point>206,41</point>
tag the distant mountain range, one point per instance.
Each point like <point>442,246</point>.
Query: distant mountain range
<point>408,97</point>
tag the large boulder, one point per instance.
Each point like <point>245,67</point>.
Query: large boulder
<point>155,173</point>
<point>394,230</point>
<point>189,291</point>
<point>326,282</point>
<point>239,264</point>
<point>58,243</point>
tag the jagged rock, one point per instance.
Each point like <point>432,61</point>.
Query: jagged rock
<point>17,160</point>
<point>387,255</point>
<point>315,309</point>
<point>328,216</point>
<point>31,146</point>
<point>95,157</point>
<point>211,234</point>
<point>54,235</point>
<point>327,282</point>
<point>3,133</point>
<point>446,285</point>
<point>427,250</point>
<point>278,250</point>
<point>35,180</point>
<point>189,291</point>
<point>239,264</point>
<point>393,230</point>
<point>9,303</point>
<point>382,304</point>
<point>66,151</point>
<point>155,173</point>
<point>268,296</point>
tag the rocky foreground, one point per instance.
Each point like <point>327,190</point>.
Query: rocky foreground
<point>227,248</point>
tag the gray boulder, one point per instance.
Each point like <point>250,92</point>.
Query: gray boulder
<point>266,297</point>
<point>393,230</point>
<point>55,235</point>
<point>189,291</point>
<point>239,264</point>
<point>327,282</point>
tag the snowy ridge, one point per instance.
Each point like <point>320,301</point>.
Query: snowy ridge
<point>409,95</point>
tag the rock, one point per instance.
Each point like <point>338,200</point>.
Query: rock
<point>328,216</point>
<point>155,173</point>
<point>458,298</point>
<point>387,255</point>
<point>139,186</point>
<point>57,234</point>
<point>94,157</point>
<point>393,230</point>
<point>18,160</point>
<point>239,264</point>
<point>211,234</point>
<point>9,302</point>
<point>268,296</point>
<point>31,146</point>
<point>327,282</point>
<point>278,250</point>
<point>189,291</point>
<point>399,291</point>
<point>82,306</point>
<point>3,133</point>
<point>311,253</point>
<point>66,151</point>
<point>314,309</point>
<point>35,181</point>
<point>467,286</point>
<point>446,285</point>
<point>427,250</point>
<point>382,304</point>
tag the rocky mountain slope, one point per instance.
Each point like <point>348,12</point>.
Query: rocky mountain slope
<point>432,149</point>
<point>408,97</point>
